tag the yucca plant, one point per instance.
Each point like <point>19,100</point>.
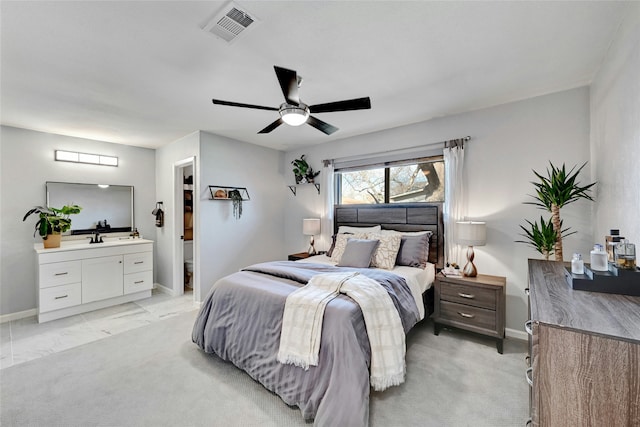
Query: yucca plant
<point>556,190</point>
<point>542,237</point>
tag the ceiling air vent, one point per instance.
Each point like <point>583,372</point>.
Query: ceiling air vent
<point>230,22</point>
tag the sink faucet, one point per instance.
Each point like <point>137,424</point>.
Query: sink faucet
<point>96,238</point>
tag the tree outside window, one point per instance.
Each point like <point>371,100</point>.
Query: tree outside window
<point>420,181</point>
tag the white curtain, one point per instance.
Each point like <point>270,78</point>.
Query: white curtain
<point>454,208</point>
<point>327,188</point>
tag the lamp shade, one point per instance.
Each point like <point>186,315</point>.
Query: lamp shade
<point>471,233</point>
<point>311,226</point>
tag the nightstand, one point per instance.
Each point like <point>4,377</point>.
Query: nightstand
<point>298,256</point>
<point>475,304</point>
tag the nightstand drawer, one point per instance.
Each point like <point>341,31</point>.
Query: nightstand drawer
<point>468,294</point>
<point>468,315</point>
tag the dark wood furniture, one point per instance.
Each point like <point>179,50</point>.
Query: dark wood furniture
<point>298,256</point>
<point>475,304</point>
<point>584,353</point>
<point>401,217</point>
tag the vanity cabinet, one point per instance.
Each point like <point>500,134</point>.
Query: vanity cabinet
<point>80,277</point>
<point>584,353</point>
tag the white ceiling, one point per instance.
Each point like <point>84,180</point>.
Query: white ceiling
<point>143,73</point>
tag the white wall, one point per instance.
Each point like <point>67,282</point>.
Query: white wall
<point>166,157</point>
<point>615,133</point>
<point>508,141</point>
<point>228,244</point>
<point>26,164</point>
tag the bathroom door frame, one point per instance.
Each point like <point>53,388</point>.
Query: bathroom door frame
<point>178,237</point>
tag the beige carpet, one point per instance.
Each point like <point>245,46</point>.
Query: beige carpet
<point>155,376</point>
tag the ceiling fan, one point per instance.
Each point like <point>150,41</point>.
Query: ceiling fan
<point>294,112</point>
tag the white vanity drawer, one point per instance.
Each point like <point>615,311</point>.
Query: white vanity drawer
<point>141,261</point>
<point>137,282</point>
<point>60,273</point>
<point>57,297</point>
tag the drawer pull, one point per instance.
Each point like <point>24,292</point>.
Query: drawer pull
<point>527,327</point>
<point>469,296</point>
<point>139,262</point>
<point>467,316</point>
<point>61,296</point>
<point>138,282</point>
<point>527,375</point>
<point>528,423</point>
<point>526,291</point>
<point>61,274</point>
<point>527,360</point>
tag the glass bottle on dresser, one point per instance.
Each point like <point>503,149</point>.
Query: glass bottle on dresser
<point>577,265</point>
<point>598,258</point>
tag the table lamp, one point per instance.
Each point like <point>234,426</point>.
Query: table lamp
<point>311,227</point>
<point>472,234</point>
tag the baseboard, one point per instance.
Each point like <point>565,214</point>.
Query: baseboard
<point>516,334</point>
<point>164,289</point>
<point>18,315</point>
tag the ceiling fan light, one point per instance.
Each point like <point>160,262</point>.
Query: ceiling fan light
<point>294,115</point>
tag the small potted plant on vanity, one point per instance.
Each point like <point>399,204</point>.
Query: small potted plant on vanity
<point>303,172</point>
<point>52,222</point>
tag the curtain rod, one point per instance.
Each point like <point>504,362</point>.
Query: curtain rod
<point>446,143</point>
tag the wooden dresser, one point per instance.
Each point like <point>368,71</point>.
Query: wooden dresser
<point>584,353</point>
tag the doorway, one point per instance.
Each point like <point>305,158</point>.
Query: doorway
<point>186,277</point>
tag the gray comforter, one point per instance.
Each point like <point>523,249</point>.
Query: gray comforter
<point>241,318</point>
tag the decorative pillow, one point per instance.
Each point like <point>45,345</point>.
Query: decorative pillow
<point>355,230</point>
<point>333,245</point>
<point>387,251</point>
<point>358,253</point>
<point>341,243</point>
<point>414,250</point>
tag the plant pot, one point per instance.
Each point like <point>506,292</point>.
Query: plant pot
<point>300,179</point>
<point>52,241</point>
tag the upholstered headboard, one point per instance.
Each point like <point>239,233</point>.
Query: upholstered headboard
<point>401,217</point>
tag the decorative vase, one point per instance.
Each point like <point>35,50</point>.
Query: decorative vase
<point>52,241</point>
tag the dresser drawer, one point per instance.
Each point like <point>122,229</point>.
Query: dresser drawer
<point>137,282</point>
<point>142,261</point>
<point>468,315</point>
<point>60,273</point>
<point>57,297</point>
<point>468,294</point>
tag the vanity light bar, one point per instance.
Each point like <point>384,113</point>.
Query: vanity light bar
<point>92,159</point>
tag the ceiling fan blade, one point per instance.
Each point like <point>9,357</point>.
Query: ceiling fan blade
<point>321,126</point>
<point>350,104</point>
<point>272,126</point>
<point>289,83</point>
<point>237,104</point>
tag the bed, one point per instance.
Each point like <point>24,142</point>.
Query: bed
<point>240,320</point>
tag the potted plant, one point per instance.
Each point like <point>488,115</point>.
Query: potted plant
<point>554,191</point>
<point>542,238</point>
<point>52,222</point>
<point>303,172</point>
<point>236,198</point>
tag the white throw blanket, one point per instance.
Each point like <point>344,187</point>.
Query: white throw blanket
<point>302,325</point>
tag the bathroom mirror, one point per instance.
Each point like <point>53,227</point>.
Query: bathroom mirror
<point>105,208</point>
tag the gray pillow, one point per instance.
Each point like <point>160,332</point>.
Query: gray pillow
<point>358,253</point>
<point>414,251</point>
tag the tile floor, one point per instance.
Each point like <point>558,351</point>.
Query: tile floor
<point>26,339</point>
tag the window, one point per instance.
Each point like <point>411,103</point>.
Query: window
<point>417,180</point>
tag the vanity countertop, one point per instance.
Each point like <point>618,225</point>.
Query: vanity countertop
<point>74,245</point>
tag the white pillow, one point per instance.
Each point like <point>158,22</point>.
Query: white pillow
<point>341,243</point>
<point>353,230</point>
<point>387,251</point>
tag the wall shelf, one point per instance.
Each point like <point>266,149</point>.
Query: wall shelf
<point>221,192</point>
<point>294,187</point>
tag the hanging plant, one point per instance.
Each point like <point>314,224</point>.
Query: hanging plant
<point>556,190</point>
<point>236,199</point>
